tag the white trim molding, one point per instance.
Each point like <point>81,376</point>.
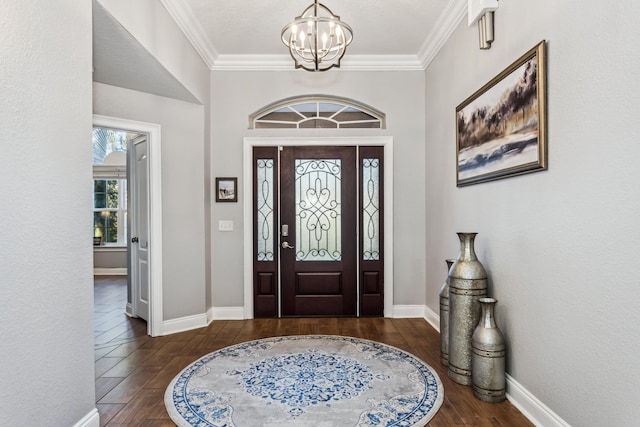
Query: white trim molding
<point>193,31</point>
<point>183,324</point>
<point>92,419</point>
<point>445,26</point>
<point>531,407</point>
<point>432,318</point>
<point>247,191</point>
<point>283,62</point>
<point>407,311</point>
<point>447,22</point>
<point>225,313</point>
<point>116,271</point>
<point>154,325</point>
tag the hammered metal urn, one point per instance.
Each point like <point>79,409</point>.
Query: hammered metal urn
<point>487,357</point>
<point>467,284</point>
<point>444,317</point>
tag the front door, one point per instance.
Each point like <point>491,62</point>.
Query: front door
<point>318,231</point>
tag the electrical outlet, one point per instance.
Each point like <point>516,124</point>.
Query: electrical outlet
<point>225,225</point>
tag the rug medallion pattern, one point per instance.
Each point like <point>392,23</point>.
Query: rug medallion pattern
<point>314,380</point>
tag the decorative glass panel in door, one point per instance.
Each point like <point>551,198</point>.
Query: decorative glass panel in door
<point>318,231</point>
<point>318,209</point>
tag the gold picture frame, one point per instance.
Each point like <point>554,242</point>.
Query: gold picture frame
<point>501,128</point>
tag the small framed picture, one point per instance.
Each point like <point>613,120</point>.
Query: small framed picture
<point>226,189</point>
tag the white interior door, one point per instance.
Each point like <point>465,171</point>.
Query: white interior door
<point>139,244</point>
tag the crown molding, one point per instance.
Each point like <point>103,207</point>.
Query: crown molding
<point>284,62</point>
<point>190,26</point>
<point>445,26</point>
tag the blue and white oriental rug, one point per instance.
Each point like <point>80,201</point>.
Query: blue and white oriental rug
<point>305,381</point>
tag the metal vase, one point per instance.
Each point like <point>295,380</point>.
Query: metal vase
<point>444,318</point>
<point>467,284</point>
<point>488,355</point>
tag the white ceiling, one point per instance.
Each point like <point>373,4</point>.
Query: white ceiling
<point>245,35</point>
<point>388,34</point>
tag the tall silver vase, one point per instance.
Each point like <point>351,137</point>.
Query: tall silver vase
<point>444,317</point>
<point>487,358</point>
<point>467,284</point>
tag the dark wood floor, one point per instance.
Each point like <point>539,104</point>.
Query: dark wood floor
<point>133,369</point>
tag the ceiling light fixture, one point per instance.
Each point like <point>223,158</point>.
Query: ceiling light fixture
<point>317,39</point>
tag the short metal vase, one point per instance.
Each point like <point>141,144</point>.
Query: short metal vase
<point>467,284</point>
<point>487,358</point>
<point>444,317</point>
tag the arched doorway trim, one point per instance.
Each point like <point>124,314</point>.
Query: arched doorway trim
<point>317,111</point>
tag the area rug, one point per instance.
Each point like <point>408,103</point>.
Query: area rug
<point>305,381</point>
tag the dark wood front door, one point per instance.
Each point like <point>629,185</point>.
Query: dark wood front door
<point>318,231</point>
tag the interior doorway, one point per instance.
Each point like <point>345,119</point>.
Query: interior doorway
<point>302,270</point>
<point>144,240</point>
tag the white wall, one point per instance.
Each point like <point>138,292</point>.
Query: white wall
<point>45,257</point>
<point>398,94</point>
<point>560,246</point>
<point>183,221</point>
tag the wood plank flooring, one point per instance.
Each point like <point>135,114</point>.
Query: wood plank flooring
<point>133,369</point>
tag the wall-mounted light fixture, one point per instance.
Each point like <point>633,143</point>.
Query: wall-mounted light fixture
<point>482,12</point>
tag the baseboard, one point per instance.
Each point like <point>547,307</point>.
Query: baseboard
<point>92,419</point>
<point>129,310</point>
<point>188,323</point>
<point>110,271</point>
<point>432,318</point>
<point>408,311</point>
<point>183,324</point>
<point>531,407</point>
<point>226,313</point>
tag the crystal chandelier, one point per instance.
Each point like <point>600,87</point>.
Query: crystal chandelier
<point>317,39</point>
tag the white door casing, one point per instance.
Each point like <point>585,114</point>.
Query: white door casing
<point>155,316</point>
<point>250,142</point>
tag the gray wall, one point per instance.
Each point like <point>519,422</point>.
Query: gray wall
<point>110,258</point>
<point>150,23</point>
<point>182,130</point>
<point>46,281</point>
<point>185,147</point>
<point>398,94</point>
<point>560,246</point>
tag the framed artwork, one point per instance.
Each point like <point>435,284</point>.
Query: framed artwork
<point>501,129</point>
<point>226,189</point>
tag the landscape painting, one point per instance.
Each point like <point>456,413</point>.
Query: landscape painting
<point>501,129</point>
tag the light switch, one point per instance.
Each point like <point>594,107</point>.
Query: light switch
<point>225,225</point>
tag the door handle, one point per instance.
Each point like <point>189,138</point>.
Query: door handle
<point>286,245</point>
<point>134,240</point>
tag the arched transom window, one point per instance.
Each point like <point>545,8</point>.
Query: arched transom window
<point>317,111</point>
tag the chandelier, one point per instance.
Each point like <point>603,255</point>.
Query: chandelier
<point>317,39</point>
